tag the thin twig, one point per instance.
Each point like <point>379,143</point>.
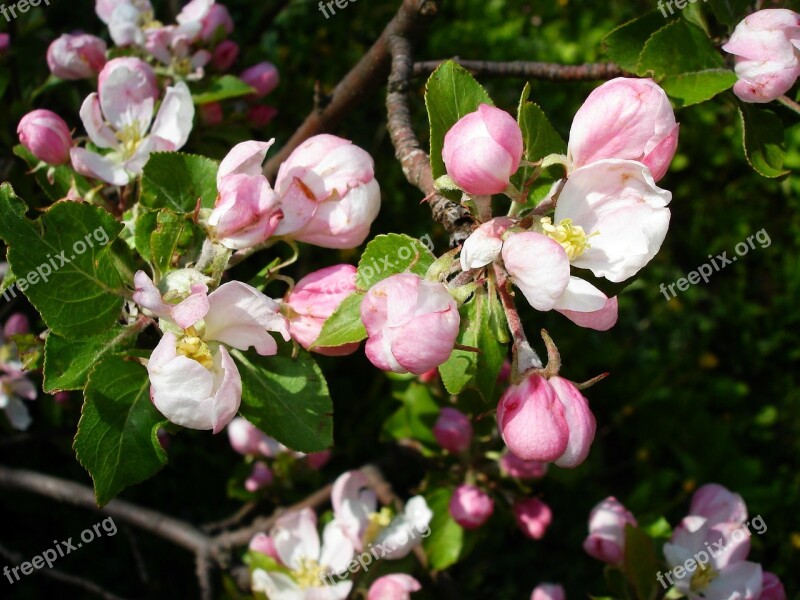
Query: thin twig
<point>529,70</point>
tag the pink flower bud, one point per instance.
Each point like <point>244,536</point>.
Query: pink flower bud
<point>484,244</point>
<point>63,398</point>
<point>225,54</point>
<point>533,517</point>
<point>16,324</point>
<point>453,430</point>
<point>5,43</point>
<point>46,135</point>
<point>771,587</point>
<point>548,591</point>
<point>483,150</point>
<point>397,586</point>
<point>335,180</point>
<point>124,82</point>
<point>244,437</point>
<point>580,421</point>
<point>76,56</point>
<point>264,544</point>
<point>315,298</point>
<point>261,115</point>
<point>163,438</point>
<point>246,212</point>
<point>263,78</point>
<point>531,420</point>
<point>514,466</point>
<point>765,46</point>
<point>470,507</point>
<point>211,113</point>
<point>317,460</point>
<point>628,119</point>
<point>718,504</point>
<point>260,477</point>
<point>412,324</point>
<point>606,541</point>
<point>218,18</point>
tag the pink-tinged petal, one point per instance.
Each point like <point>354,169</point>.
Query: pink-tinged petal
<point>128,91</point>
<point>618,203</point>
<point>92,117</point>
<point>24,388</point>
<point>46,136</point>
<point>763,81</point>
<point>379,352</point>
<point>408,350</point>
<point>484,244</point>
<point>513,466</point>
<point>263,543</point>
<point>397,586</point>
<point>247,211</point>
<point>93,165</point>
<point>148,296</point>
<point>241,316</point>
<point>337,548</point>
<point>580,421</point>
<point>194,11</point>
<point>599,320</point>
<point>277,586</point>
<point>470,506</point>
<point>296,538</point>
<point>736,539</point>
<point>18,414</point>
<point>661,155</point>
<point>298,207</point>
<point>353,501</point>
<point>405,531</point>
<point>581,296</point>
<point>245,158</point>
<point>771,587</point>
<point>193,308</point>
<point>539,267</point>
<point>548,591</point>
<point>533,517</point>
<point>718,504</point>
<point>320,293</point>
<point>453,430</point>
<point>742,580</point>
<point>228,395</point>
<point>531,420</point>
<point>175,116</point>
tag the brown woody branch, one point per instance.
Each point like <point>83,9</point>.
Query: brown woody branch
<point>365,77</point>
<point>529,70</point>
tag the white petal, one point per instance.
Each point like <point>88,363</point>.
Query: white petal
<point>337,549</point>
<point>581,296</point>
<point>276,586</point>
<point>539,267</point>
<point>18,414</point>
<point>100,167</point>
<point>175,116</point>
<point>92,118</point>
<point>296,538</point>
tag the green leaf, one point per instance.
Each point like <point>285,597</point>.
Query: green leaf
<point>451,93</point>
<point>176,181</point>
<point>478,370</point>
<point>388,255</point>
<point>344,326</point>
<point>692,88</point>
<point>116,440</point>
<point>146,224</point>
<point>287,398</point>
<point>677,48</point>
<point>624,44</point>
<point>539,135</point>
<point>224,88</point>
<point>446,541</point>
<point>83,296</point>
<point>29,347</point>
<point>67,362</point>
<point>641,564</point>
<point>415,419</point>
<point>63,177</point>
<point>729,12</point>
<point>173,235</point>
<point>763,138</point>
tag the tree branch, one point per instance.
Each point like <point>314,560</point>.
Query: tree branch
<point>415,162</point>
<point>365,77</point>
<point>529,70</point>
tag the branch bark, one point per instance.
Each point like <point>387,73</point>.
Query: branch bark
<point>529,70</point>
<point>365,77</point>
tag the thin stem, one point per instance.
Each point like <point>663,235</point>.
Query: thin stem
<point>529,70</point>
<point>525,357</point>
<point>789,103</point>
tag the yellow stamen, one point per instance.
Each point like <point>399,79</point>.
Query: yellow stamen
<point>378,521</point>
<point>193,347</point>
<point>310,574</point>
<point>571,237</point>
<point>702,578</point>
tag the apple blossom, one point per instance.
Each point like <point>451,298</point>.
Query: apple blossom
<point>719,552</point>
<point>533,517</point>
<point>771,587</point>
<point>315,298</point>
<point>263,78</point>
<point>483,150</point>
<point>484,244</point>
<point>118,118</point>
<point>194,381</point>
<point>453,430</point>
<point>765,45</point>
<point>224,55</point>
<point>412,324</point>
<point>217,21</point>
<point>548,591</point>
<point>355,508</point>
<point>717,504</point>
<point>606,541</point>
<point>625,118</point>
<point>397,586</point>
<point>77,56</point>
<point>172,46</point>
<point>14,388</point>
<point>126,19</point>
<point>246,439</point>
<point>308,561</point>
<point>470,506</point>
<point>331,180</point>
<point>46,135</point>
<point>264,544</point>
<point>513,466</point>
<point>260,476</point>
<point>16,324</point>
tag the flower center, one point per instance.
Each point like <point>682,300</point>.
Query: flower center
<point>130,137</point>
<point>309,574</point>
<point>702,578</point>
<point>378,521</point>
<point>571,237</point>
<point>193,347</point>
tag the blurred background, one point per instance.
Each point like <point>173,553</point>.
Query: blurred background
<point>703,388</point>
